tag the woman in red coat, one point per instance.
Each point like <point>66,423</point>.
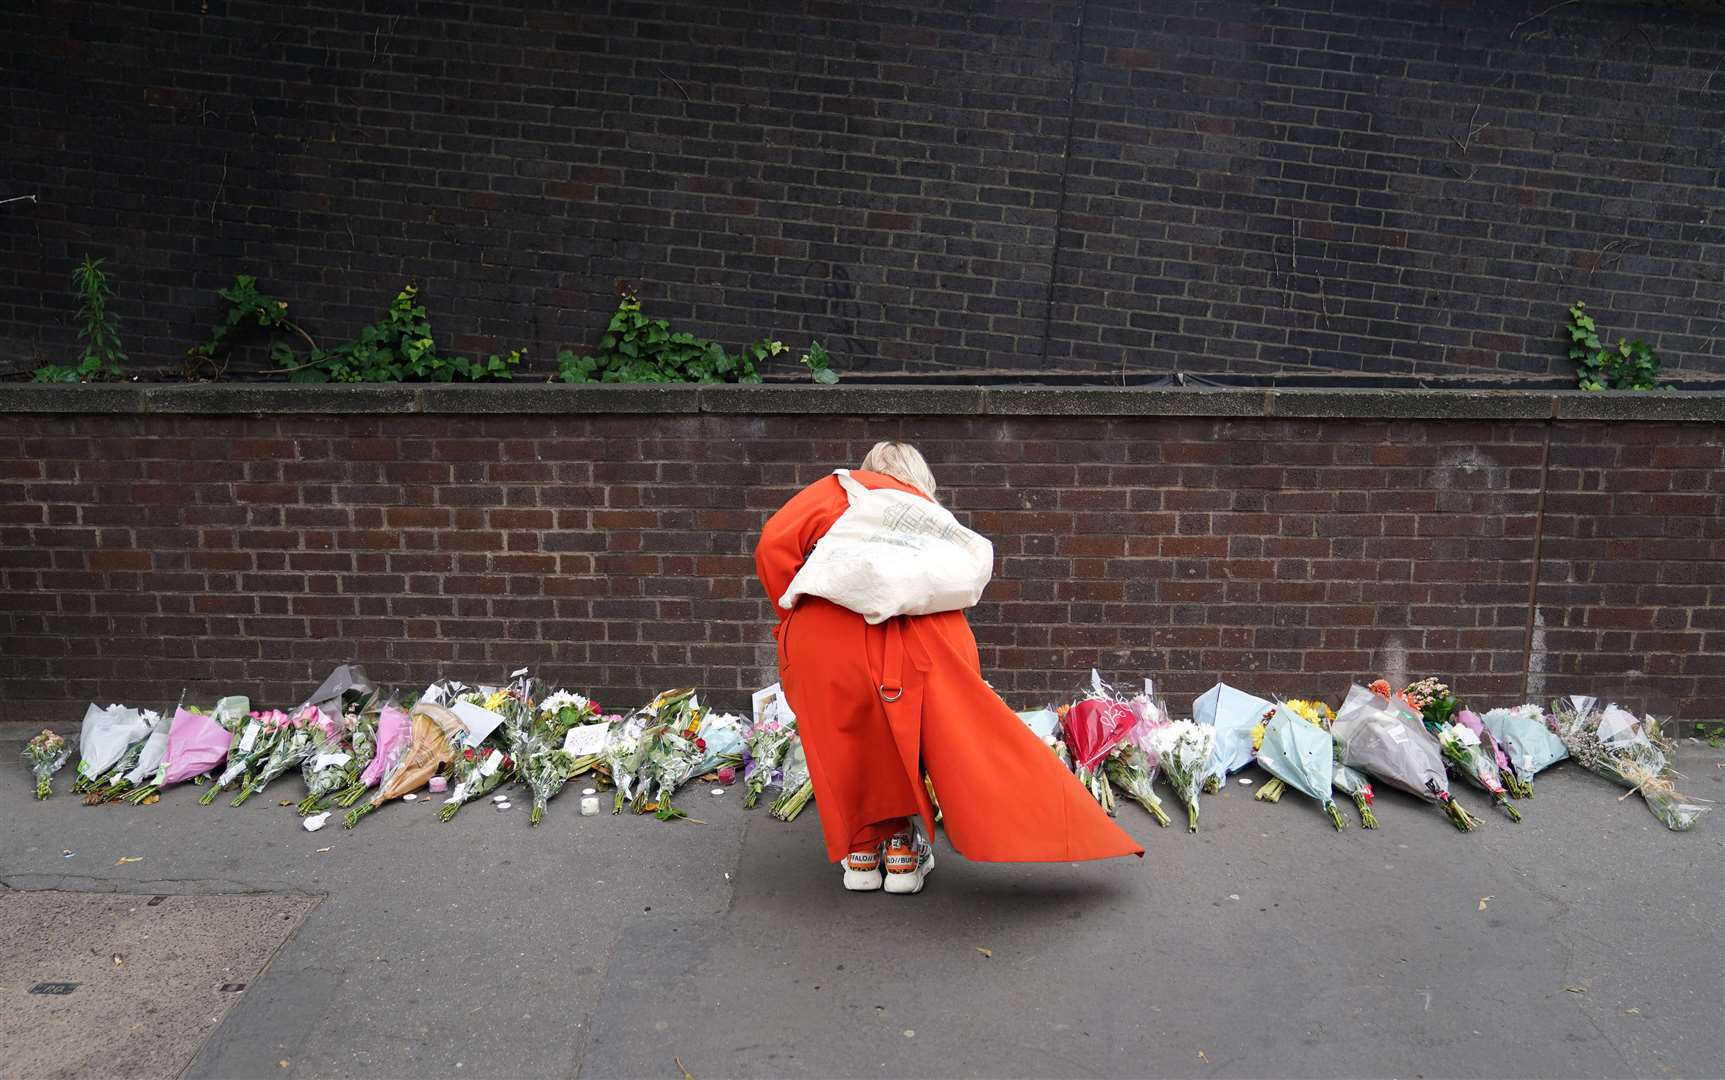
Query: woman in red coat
<point>877,706</point>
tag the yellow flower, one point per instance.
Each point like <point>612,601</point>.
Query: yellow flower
<point>495,701</point>
<point>1258,737</point>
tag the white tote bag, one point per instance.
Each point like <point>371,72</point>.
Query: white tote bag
<point>894,553</point>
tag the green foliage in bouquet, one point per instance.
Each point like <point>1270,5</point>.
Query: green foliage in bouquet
<point>102,358</point>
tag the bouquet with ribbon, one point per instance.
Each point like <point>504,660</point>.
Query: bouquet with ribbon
<point>1313,712</point>
<point>197,742</point>
<point>1523,738</point>
<point>1387,738</point>
<point>1183,750</point>
<point>1298,751</point>
<point>1627,749</point>
<point>432,731</point>
<point>46,753</point>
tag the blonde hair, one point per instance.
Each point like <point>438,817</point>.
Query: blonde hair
<point>901,461</point>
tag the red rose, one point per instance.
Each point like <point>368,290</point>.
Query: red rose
<point>701,743</point>
<point>468,753</point>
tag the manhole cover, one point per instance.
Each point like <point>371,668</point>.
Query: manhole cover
<point>187,959</point>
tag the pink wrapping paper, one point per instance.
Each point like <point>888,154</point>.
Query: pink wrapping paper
<point>393,732</point>
<point>196,744</point>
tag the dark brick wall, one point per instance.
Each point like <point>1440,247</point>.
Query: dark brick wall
<point>1085,185</point>
<point>140,554</point>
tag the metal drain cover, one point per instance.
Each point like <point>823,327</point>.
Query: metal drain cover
<point>54,988</point>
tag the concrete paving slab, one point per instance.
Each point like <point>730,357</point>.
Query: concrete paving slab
<point>145,975</point>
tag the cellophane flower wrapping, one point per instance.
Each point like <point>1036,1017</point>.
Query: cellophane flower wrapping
<point>432,731</point>
<point>1511,780</point>
<point>544,771</point>
<point>152,752</point>
<point>1301,754</point>
<point>1092,728</point>
<point>46,753</point>
<point>1353,783</point>
<point>295,738</point>
<point>197,743</point>
<point>797,788</point>
<point>1466,751</point>
<point>328,769</point>
<point>1233,714</point>
<point>1387,738</point>
<point>106,735</point>
<point>1183,750</point>
<point>251,746</point>
<point>625,747</point>
<point>770,734</point>
<point>480,770</point>
<point>393,732</point>
<point>112,783</point>
<point>1524,738</point>
<point>1630,750</point>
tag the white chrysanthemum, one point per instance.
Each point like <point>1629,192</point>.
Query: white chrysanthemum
<point>563,699</point>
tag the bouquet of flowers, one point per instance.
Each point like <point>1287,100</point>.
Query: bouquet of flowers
<point>1387,739</point>
<point>763,762</point>
<point>374,749</point>
<point>1352,782</point>
<point>1515,785</point>
<point>46,753</point>
<point>1462,747</point>
<point>250,748</point>
<point>688,743</point>
<point>328,769</point>
<point>1523,738</point>
<point>545,772</point>
<point>432,729</point>
<point>197,742</point>
<point>106,736</point>
<point>1183,750</point>
<point>1093,727</point>
<point>1297,750</point>
<point>295,739</point>
<point>561,711</point>
<point>112,784</point>
<point>478,771</point>
<point>798,789</point>
<point>150,756</point>
<point>1132,766</point>
<point>1233,714</point>
<point>1627,749</point>
<point>625,748</point>
<point>1313,712</point>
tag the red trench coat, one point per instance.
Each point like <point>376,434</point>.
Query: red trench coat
<point>1004,797</point>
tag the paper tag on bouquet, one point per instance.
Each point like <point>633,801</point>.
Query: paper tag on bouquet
<point>517,673</point>
<point>1397,734</point>
<point>477,722</point>
<point>586,740</point>
<point>491,762</point>
<point>330,761</point>
<point>248,738</point>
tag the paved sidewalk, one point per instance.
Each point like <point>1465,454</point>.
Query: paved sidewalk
<point>1584,942</point>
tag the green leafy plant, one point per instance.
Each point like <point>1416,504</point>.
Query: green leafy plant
<point>820,364</point>
<point>102,358</point>
<point>248,309</point>
<point>399,348</point>
<point>1629,365</point>
<point>1713,733</point>
<point>637,349</point>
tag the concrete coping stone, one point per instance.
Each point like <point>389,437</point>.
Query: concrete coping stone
<point>645,399</point>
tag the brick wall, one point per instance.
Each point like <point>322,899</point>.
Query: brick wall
<point>141,553</point>
<point>1084,185</point>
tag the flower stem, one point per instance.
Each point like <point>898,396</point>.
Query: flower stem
<point>240,799</point>
<point>1155,810</point>
<point>356,813</point>
<point>1508,808</point>
<point>1458,815</point>
<point>1272,790</point>
<point>43,788</point>
<point>1212,784</point>
<point>209,796</point>
<point>446,812</point>
<point>1368,820</point>
<point>1336,818</point>
<point>1192,815</point>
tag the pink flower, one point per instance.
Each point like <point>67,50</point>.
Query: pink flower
<point>727,775</point>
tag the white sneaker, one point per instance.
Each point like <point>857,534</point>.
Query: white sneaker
<point>862,870</point>
<point>909,861</point>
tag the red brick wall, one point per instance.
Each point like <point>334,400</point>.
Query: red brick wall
<point>143,553</point>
